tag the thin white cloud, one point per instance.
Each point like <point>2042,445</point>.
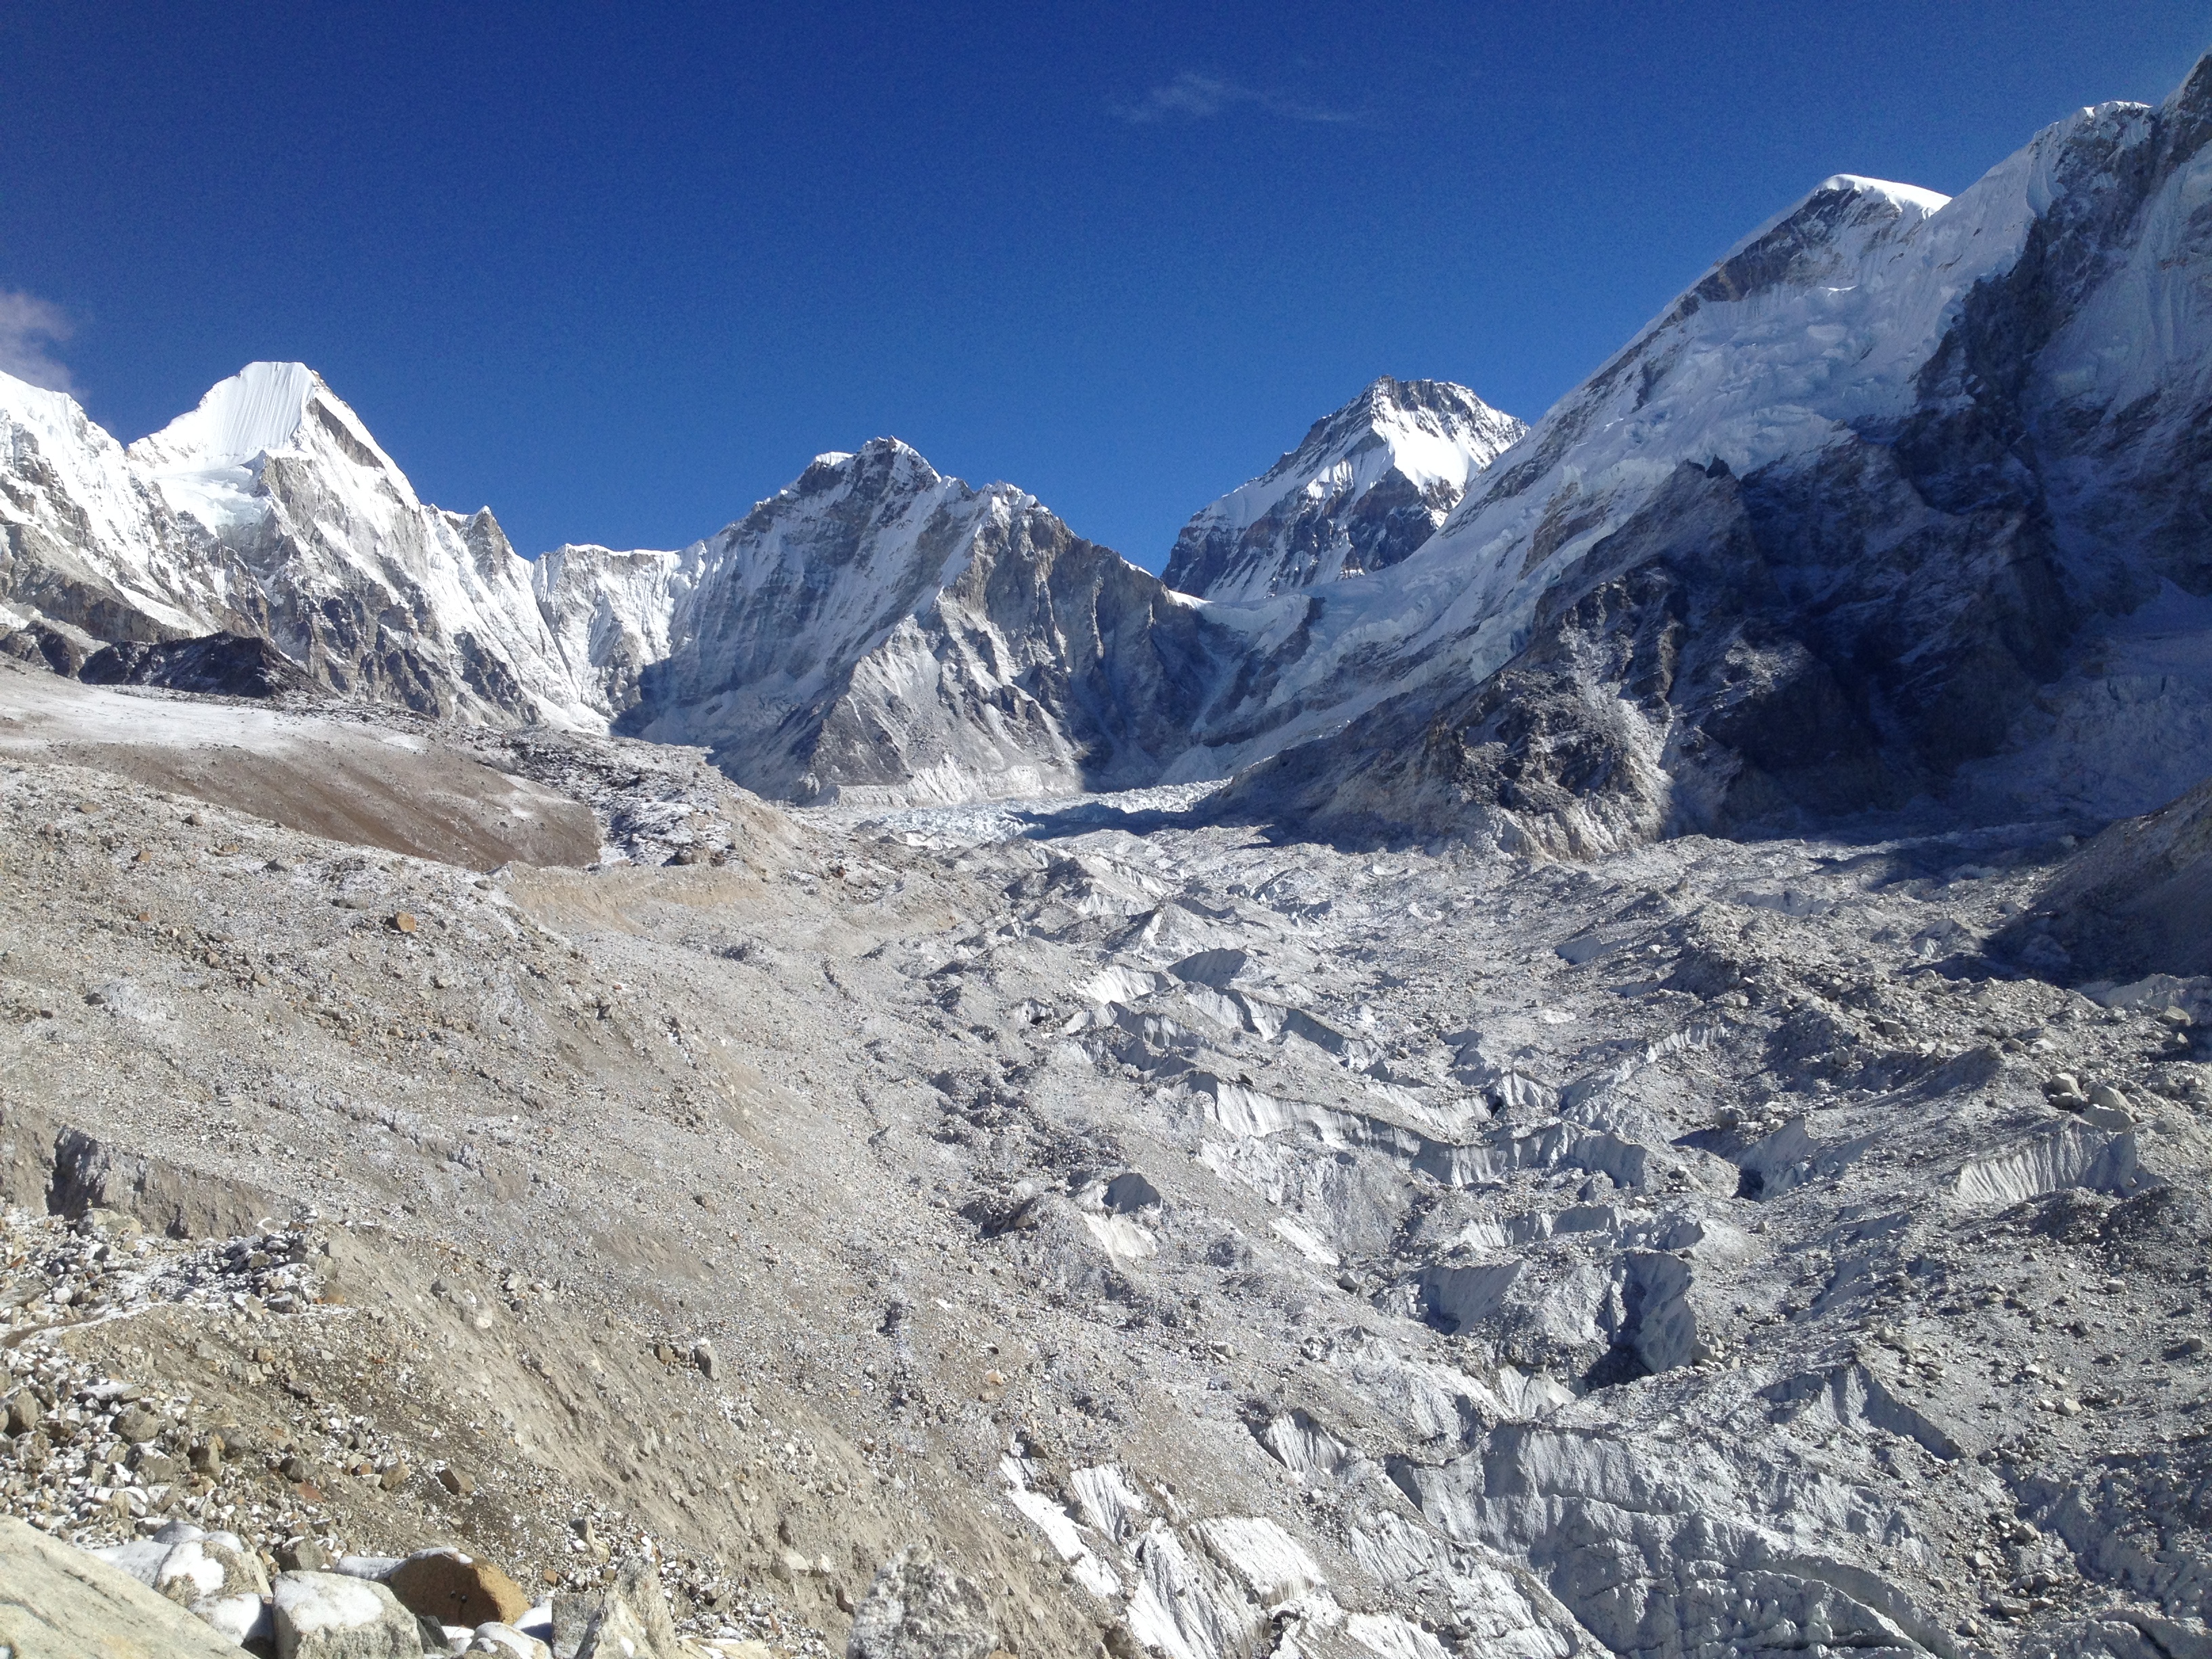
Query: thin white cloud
<point>29,329</point>
<point>1194,97</point>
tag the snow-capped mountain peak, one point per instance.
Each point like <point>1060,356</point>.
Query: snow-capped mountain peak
<point>1370,483</point>
<point>878,624</point>
<point>1835,528</point>
<point>1875,511</point>
<point>260,408</point>
<point>208,462</point>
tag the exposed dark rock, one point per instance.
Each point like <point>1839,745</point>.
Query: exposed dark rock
<point>218,665</point>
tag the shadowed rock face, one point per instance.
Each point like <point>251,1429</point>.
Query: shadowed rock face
<point>219,664</point>
<point>2136,900</point>
<point>1684,678</point>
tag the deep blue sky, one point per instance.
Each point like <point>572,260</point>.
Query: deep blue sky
<point>620,271</point>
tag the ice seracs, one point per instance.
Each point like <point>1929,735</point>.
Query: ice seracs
<point>1368,486</point>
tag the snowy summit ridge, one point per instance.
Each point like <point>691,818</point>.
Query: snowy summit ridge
<point>1370,483</point>
<point>880,627</point>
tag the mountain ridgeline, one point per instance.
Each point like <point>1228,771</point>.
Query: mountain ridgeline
<point>1903,506</point>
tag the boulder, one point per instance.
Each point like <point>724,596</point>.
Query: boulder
<point>137,1425</point>
<point>142,1557</point>
<point>24,1412</point>
<point>632,1621</point>
<point>217,1578</point>
<point>212,1574</point>
<point>303,1554</point>
<point>331,1615</point>
<point>918,1609</point>
<point>63,1603</point>
<point>456,1588</point>
<point>574,1613</point>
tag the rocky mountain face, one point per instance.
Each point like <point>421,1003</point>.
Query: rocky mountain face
<point>1370,484</point>
<point>879,627</point>
<point>2136,901</point>
<point>875,626</point>
<point>1898,501</point>
<point>612,614</point>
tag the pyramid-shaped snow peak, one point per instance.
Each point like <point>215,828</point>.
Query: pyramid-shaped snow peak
<point>1368,486</point>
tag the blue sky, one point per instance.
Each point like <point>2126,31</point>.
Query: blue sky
<point>620,271</point>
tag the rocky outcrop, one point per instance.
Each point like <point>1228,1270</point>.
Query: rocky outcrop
<point>1672,683</point>
<point>63,1603</point>
<point>218,665</point>
<point>2136,900</point>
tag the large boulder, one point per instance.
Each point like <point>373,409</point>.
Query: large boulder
<point>333,1615</point>
<point>218,1578</point>
<point>455,1589</point>
<point>213,1575</point>
<point>59,1602</point>
<point>631,1621</point>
